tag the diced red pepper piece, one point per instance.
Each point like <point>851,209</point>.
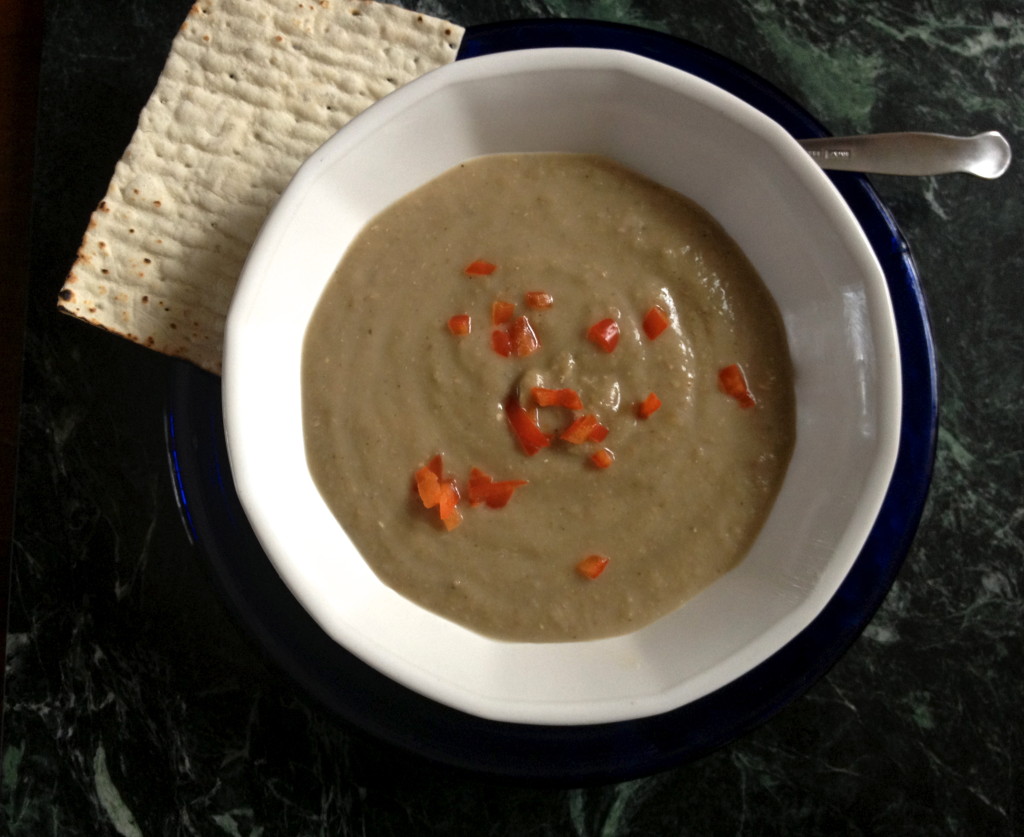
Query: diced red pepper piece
<point>538,300</point>
<point>732,381</point>
<point>570,399</point>
<point>522,337</point>
<point>604,334</point>
<point>428,481</point>
<point>648,406</point>
<point>598,434</point>
<point>655,322</point>
<point>579,431</point>
<point>460,325</point>
<point>434,490</point>
<point>518,338</point>
<point>602,458</point>
<point>449,499</point>
<point>525,428</point>
<point>502,311</point>
<point>565,397</point>
<point>428,486</point>
<point>499,493</point>
<point>501,342</point>
<point>453,519</point>
<point>476,488</point>
<point>483,489</point>
<point>436,464</point>
<point>480,268</point>
<point>592,566</point>
<point>544,396</point>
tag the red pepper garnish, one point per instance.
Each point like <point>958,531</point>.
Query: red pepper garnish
<point>502,311</point>
<point>428,486</point>
<point>598,434</point>
<point>602,458</point>
<point>538,300</point>
<point>501,343</point>
<point>579,431</point>
<point>477,487</point>
<point>480,268</point>
<point>655,322</point>
<point>525,428</point>
<point>454,519</point>
<point>448,499</point>
<point>592,566</point>
<point>648,406</point>
<point>460,325</point>
<point>604,335</point>
<point>436,464</point>
<point>518,338</point>
<point>522,337</point>
<point>546,397</point>
<point>434,490</point>
<point>732,381</point>
<point>483,489</point>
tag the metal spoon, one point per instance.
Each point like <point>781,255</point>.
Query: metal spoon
<point>985,155</point>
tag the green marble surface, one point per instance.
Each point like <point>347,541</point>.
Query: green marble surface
<point>133,704</point>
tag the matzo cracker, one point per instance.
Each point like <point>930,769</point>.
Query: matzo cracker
<point>249,90</point>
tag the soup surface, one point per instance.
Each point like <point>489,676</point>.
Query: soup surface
<point>494,289</point>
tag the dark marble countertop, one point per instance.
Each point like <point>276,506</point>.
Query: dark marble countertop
<point>136,706</point>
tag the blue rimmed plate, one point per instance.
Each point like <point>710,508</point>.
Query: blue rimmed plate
<point>598,752</point>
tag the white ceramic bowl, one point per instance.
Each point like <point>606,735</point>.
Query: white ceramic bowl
<point>791,223</point>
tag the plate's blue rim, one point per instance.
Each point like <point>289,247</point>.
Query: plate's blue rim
<point>572,755</point>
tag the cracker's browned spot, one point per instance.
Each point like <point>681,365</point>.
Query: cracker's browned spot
<point>104,271</point>
<point>145,299</point>
<point>67,294</point>
<point>92,224</point>
<point>147,260</point>
<point>156,203</point>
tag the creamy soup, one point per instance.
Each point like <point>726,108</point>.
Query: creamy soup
<point>568,281</point>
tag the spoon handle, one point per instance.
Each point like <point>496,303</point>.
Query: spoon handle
<point>985,155</point>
